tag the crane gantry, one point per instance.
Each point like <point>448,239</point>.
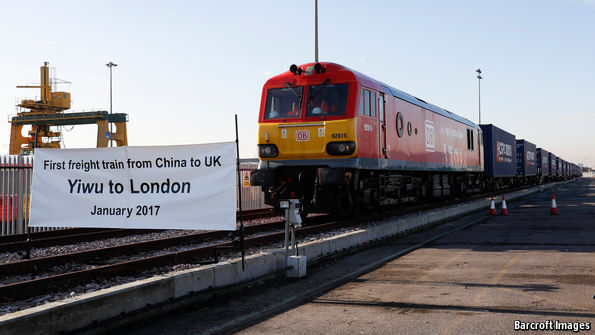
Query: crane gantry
<point>49,112</point>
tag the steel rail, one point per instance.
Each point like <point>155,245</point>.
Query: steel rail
<point>50,284</point>
<point>97,256</point>
<point>73,238</point>
<point>17,242</point>
<point>47,234</point>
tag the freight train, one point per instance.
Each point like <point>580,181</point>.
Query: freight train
<point>339,140</point>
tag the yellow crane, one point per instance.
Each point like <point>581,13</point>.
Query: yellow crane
<point>49,111</point>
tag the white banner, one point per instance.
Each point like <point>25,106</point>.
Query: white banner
<point>166,187</point>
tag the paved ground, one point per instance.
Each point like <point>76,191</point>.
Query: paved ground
<point>528,267</point>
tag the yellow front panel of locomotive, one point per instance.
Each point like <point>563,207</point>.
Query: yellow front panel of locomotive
<point>306,140</point>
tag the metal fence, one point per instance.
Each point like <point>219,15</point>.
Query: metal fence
<point>16,174</point>
<point>252,196</point>
<point>15,193</point>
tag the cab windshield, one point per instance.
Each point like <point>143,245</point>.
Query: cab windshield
<point>327,100</point>
<point>283,103</point>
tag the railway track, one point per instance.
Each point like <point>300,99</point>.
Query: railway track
<point>17,242</point>
<point>107,263</point>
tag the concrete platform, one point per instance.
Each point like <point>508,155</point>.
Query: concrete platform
<point>157,295</point>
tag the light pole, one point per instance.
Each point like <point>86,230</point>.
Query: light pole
<point>110,65</point>
<point>316,31</point>
<point>479,78</point>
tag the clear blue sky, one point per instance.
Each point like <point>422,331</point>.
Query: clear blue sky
<point>186,67</point>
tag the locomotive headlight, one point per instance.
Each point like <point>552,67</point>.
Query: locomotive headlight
<point>268,150</point>
<point>340,148</point>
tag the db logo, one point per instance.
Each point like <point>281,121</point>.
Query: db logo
<point>302,135</point>
<point>430,137</point>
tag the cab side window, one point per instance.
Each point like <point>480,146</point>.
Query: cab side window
<point>381,107</point>
<point>362,110</point>
<point>373,104</point>
<point>470,141</point>
<point>366,102</point>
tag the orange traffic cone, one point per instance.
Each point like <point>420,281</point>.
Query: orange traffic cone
<point>504,210</point>
<point>554,208</point>
<point>493,207</point>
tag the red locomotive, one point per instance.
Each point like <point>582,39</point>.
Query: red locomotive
<point>336,138</point>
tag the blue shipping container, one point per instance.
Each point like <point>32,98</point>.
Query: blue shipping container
<point>543,162</point>
<point>553,165</point>
<point>526,158</point>
<point>499,152</point>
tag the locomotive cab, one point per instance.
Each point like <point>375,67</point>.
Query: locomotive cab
<point>306,132</point>
<point>309,118</point>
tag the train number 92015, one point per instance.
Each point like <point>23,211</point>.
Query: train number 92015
<point>338,135</point>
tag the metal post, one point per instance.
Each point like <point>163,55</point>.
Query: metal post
<point>286,236</point>
<point>20,190</point>
<point>240,194</point>
<point>479,78</point>
<point>292,221</point>
<point>110,65</point>
<point>13,195</point>
<point>2,185</point>
<point>294,247</point>
<point>36,137</point>
<point>316,31</point>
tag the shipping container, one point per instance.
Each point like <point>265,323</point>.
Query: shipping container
<point>500,152</point>
<point>543,162</point>
<point>526,158</point>
<point>553,165</point>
